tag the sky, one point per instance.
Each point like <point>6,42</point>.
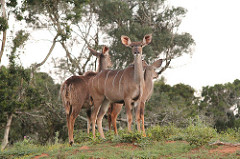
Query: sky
<point>215,27</point>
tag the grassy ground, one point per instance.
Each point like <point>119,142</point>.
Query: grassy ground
<point>107,149</point>
<point>161,142</point>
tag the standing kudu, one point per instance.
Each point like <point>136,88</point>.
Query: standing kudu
<point>118,86</point>
<point>149,75</point>
<point>75,92</point>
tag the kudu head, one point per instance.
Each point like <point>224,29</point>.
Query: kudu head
<point>136,46</point>
<point>152,68</point>
<point>104,60</point>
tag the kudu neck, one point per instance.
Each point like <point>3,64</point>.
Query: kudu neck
<point>102,64</point>
<point>138,69</point>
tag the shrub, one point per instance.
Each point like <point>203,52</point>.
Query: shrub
<point>160,133</point>
<point>230,135</point>
<point>198,134</point>
<point>80,136</point>
<point>136,138</point>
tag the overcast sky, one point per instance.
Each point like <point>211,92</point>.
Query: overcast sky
<point>215,27</point>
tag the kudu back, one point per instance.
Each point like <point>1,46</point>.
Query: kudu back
<point>75,92</point>
<point>118,86</point>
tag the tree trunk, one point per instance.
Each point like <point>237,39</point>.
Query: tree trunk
<point>5,31</point>
<point>7,129</point>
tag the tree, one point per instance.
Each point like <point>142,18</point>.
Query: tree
<point>171,104</point>
<point>64,18</point>
<point>3,27</point>
<point>217,101</point>
<point>15,92</point>
<point>137,18</point>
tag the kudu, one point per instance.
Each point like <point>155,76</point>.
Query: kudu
<point>75,92</point>
<point>118,86</point>
<point>149,75</point>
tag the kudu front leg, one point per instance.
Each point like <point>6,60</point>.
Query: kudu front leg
<point>129,113</point>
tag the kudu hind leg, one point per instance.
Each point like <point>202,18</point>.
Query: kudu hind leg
<point>138,117</point>
<point>69,124</point>
<point>110,111</point>
<point>142,118</point>
<point>69,128</point>
<point>103,110</point>
<point>115,112</point>
<point>88,120</point>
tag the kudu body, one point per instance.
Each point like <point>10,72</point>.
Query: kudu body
<point>75,92</point>
<point>118,86</point>
<point>149,75</point>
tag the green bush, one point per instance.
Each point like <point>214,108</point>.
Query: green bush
<point>80,136</point>
<point>198,134</point>
<point>230,135</point>
<point>135,137</point>
<point>160,133</point>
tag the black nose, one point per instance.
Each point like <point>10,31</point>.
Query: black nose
<point>136,52</point>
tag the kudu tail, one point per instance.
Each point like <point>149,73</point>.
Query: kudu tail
<point>65,93</point>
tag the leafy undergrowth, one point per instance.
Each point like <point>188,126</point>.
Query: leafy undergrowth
<point>160,142</point>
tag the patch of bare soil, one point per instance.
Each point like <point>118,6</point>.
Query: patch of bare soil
<point>84,148</point>
<point>225,149</point>
<point>170,141</point>
<point>126,146</point>
<point>81,148</point>
<point>42,155</point>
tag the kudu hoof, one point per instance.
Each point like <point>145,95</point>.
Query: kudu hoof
<point>71,143</point>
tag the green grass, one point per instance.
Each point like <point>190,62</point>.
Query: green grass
<point>161,142</point>
<point>107,149</point>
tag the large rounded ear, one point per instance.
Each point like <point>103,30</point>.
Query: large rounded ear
<point>147,39</point>
<point>157,63</point>
<point>105,49</point>
<point>95,53</point>
<point>144,63</point>
<point>126,40</point>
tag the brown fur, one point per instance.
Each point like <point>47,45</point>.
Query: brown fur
<point>149,75</point>
<point>75,93</point>
<point>113,86</point>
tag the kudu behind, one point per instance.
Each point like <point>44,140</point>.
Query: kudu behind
<point>118,86</point>
<point>149,75</point>
<point>75,92</point>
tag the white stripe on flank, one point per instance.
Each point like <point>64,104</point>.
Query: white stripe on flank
<point>120,82</point>
<point>98,78</point>
<point>105,82</point>
<point>114,79</point>
<point>92,80</point>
